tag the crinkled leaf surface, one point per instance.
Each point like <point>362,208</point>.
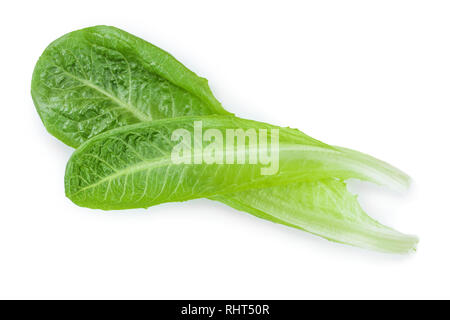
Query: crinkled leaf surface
<point>99,78</point>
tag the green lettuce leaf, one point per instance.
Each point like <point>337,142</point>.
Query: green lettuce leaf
<point>114,170</point>
<point>100,78</point>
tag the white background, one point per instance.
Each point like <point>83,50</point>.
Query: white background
<point>369,75</point>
